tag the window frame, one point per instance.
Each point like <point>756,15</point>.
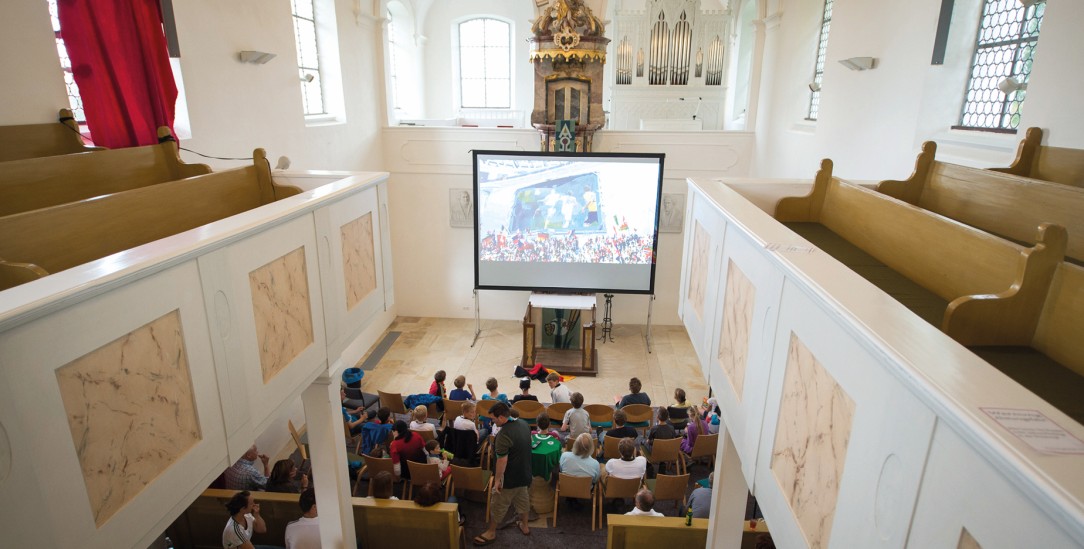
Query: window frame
<point>458,52</point>
<point>303,70</point>
<point>813,108</point>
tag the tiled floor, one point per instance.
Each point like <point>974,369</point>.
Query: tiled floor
<point>430,344</point>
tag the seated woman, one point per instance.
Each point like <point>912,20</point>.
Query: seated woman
<point>421,420</point>
<point>406,447</point>
<point>525,387</point>
<point>697,426</point>
<point>284,478</point>
<point>627,466</point>
<point>580,461</point>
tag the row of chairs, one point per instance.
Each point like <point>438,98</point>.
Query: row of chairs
<point>664,487</point>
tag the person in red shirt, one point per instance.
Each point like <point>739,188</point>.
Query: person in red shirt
<point>407,446</point>
<point>437,388</point>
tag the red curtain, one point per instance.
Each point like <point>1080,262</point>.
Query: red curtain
<point>121,64</point>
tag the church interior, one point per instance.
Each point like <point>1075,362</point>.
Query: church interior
<point>870,258</point>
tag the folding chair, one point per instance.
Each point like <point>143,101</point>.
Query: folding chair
<point>664,451</point>
<point>452,410</point>
<point>575,487</point>
<point>670,487</point>
<point>474,479</point>
<point>679,417</point>
<point>421,474</point>
<point>426,434</point>
<point>394,402</point>
<point>611,487</point>
<point>610,448</point>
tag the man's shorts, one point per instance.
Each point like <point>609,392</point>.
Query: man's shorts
<point>515,497</point>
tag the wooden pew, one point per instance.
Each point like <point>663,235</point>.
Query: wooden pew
<point>41,140</point>
<point>1006,205</point>
<point>389,524</point>
<point>378,523</point>
<point>640,532</point>
<point>1018,307</point>
<point>34,183</point>
<point>1038,161</point>
<point>52,239</point>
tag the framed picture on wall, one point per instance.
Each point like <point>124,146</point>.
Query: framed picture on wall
<point>672,213</point>
<point>460,208</point>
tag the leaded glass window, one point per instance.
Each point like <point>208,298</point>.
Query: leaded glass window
<point>308,57</point>
<point>74,100</point>
<point>818,67</point>
<point>1004,50</point>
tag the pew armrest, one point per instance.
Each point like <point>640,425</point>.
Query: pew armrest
<point>808,207</point>
<point>909,190</point>
<point>13,274</point>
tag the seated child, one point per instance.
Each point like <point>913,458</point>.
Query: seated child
<point>525,387</point>
<point>629,465</point>
<point>679,399</point>
<point>374,434</point>
<point>466,421</point>
<point>421,420</point>
<point>619,430</point>
<point>435,455</point>
<point>437,387</point>
<point>576,421</point>
<point>663,430</point>
<point>382,485</point>
<point>543,427</point>
<point>459,393</point>
<point>491,385</point>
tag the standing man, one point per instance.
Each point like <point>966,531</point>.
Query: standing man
<point>513,474</point>
<point>304,533</point>
<point>243,475</point>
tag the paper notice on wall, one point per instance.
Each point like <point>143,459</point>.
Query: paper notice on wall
<point>1037,430</point>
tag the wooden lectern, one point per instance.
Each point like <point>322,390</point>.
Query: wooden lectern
<point>581,360</point>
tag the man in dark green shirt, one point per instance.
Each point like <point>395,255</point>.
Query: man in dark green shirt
<point>513,474</point>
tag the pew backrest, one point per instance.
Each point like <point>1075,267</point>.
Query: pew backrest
<point>1061,324</point>
<point>642,532</point>
<point>1038,161</point>
<point>61,237</point>
<point>35,183</point>
<point>1006,205</point>
<point>42,140</point>
<point>391,524</point>
<point>201,525</point>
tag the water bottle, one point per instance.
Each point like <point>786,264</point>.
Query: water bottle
<point>689,516</point>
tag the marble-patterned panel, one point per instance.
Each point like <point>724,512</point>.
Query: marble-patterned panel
<point>737,324</point>
<point>967,541</point>
<point>283,315</point>
<point>359,260</point>
<point>811,442</point>
<point>131,410</point>
<point>698,269</point>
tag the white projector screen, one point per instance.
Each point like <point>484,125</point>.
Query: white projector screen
<point>577,222</point>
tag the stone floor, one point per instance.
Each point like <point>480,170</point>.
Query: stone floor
<point>430,344</point>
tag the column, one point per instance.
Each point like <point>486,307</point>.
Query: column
<point>327,450</point>
<point>730,494</point>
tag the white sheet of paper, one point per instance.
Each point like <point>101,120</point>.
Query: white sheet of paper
<point>1037,430</point>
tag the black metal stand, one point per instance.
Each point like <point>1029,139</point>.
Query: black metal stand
<point>607,320</point>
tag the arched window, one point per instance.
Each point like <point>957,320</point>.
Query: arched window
<point>485,64</point>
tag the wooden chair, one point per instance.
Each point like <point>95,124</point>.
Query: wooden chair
<point>639,416</point>
<point>664,451</point>
<point>612,487</point>
<point>705,446</point>
<point>474,479</point>
<point>602,415</point>
<point>297,436</point>
<point>556,411</point>
<point>575,487</point>
<point>373,465</point>
<point>610,448</point>
<point>452,410</point>
<point>484,406</point>
<point>679,417</point>
<point>672,488</point>
<point>529,410</point>
<point>420,474</point>
<point>426,434</point>
<point>394,402</point>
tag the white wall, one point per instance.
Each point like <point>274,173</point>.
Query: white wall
<point>234,107</point>
<point>440,24</point>
<point>871,123</point>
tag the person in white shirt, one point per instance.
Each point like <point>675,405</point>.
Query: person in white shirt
<point>244,520</point>
<point>558,391</point>
<point>645,500</point>
<point>628,466</point>
<point>304,533</point>
<point>421,420</point>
